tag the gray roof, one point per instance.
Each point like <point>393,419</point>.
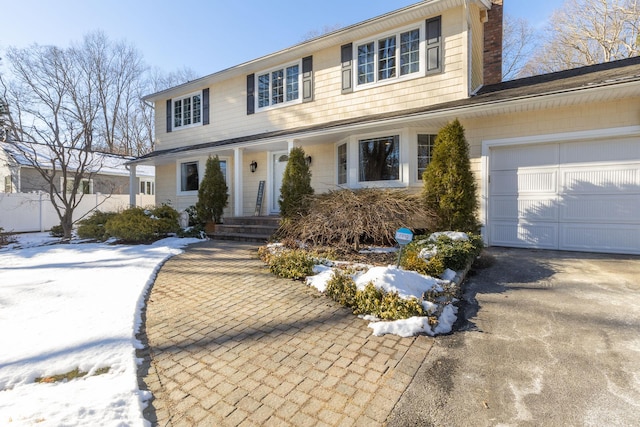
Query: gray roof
<point>607,74</point>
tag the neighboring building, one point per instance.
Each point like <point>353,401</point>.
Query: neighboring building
<point>107,174</point>
<point>557,157</point>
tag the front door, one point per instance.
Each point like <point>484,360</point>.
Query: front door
<point>278,164</point>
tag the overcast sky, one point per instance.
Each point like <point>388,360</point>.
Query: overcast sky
<point>206,36</point>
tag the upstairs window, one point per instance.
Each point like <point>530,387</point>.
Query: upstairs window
<point>278,86</point>
<point>408,53</point>
<point>187,111</point>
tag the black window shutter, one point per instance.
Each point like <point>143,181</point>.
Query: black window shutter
<point>346,57</point>
<point>251,98</point>
<point>169,115</point>
<point>205,106</point>
<point>307,79</point>
<point>434,45</point>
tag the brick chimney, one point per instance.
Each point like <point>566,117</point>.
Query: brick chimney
<point>492,62</point>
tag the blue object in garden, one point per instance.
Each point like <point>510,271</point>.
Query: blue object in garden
<point>404,236</point>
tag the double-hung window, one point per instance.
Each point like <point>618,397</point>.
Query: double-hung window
<point>426,143</point>
<point>408,53</point>
<point>147,187</point>
<point>187,111</point>
<point>279,86</point>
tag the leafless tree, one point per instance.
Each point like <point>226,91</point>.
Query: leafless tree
<point>518,43</point>
<point>53,111</point>
<point>587,32</point>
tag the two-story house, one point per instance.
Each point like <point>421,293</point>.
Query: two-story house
<point>557,157</point>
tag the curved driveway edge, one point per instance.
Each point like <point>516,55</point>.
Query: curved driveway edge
<point>227,343</point>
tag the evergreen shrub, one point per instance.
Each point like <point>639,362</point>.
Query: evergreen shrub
<point>132,225</point>
<point>296,186</point>
<point>213,193</point>
<point>93,227</point>
<point>449,188</point>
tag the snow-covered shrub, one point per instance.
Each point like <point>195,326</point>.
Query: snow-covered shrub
<point>93,227</point>
<point>431,255</point>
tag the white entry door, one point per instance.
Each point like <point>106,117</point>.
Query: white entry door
<point>278,164</point>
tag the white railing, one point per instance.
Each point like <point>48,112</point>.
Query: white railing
<point>29,212</point>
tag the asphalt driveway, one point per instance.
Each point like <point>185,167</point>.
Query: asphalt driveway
<point>551,338</point>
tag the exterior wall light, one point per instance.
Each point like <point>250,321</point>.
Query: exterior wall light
<point>253,166</point>
<point>308,160</point>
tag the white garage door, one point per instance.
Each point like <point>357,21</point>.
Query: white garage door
<point>580,196</point>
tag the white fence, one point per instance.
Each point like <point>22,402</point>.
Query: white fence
<point>28,212</point>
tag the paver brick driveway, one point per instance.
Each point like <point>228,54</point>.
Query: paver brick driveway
<point>230,344</point>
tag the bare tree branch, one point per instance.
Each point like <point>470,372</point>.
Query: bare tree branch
<point>587,32</point>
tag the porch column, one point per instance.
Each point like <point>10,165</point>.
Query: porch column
<point>237,181</point>
<point>133,187</point>
<point>290,145</point>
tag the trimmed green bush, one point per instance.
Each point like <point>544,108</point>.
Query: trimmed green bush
<point>385,305</point>
<point>449,253</point>
<point>132,225</point>
<point>93,227</point>
<point>291,264</point>
<point>166,219</point>
<point>342,289</point>
<point>213,193</point>
<point>449,187</point>
<point>56,231</point>
<point>296,186</point>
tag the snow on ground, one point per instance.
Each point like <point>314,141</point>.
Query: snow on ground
<point>74,306</point>
<point>407,284</point>
<point>78,306</point>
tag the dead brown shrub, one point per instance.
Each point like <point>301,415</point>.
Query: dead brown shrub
<point>347,219</point>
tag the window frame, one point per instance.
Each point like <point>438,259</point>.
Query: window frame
<point>399,77</point>
<point>295,85</point>
<point>192,116</point>
<point>147,187</point>
<point>397,136</point>
<point>83,183</point>
<point>179,175</point>
<point>202,163</point>
<point>431,144</point>
<point>339,173</point>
